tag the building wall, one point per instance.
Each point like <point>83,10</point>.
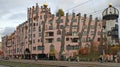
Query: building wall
<point>71,32</point>
<point>0,46</point>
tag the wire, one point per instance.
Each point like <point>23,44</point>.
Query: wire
<point>78,5</point>
<point>96,11</point>
<point>99,11</point>
<point>93,13</point>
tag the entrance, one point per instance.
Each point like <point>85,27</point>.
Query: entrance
<point>52,53</point>
<point>27,53</point>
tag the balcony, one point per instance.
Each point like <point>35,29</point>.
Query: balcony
<point>50,40</point>
<point>49,34</point>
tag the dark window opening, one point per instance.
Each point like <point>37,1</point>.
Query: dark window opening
<point>40,47</point>
<point>51,33</point>
<point>50,27</point>
<point>50,40</point>
<point>34,48</point>
<point>59,32</point>
<point>75,40</point>
<point>58,39</point>
<point>61,26</point>
<point>98,39</point>
<point>67,39</point>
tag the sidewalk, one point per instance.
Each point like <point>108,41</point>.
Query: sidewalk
<point>67,63</point>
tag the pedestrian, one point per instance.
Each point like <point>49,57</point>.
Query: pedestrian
<point>111,58</point>
<point>69,59</point>
<point>36,58</point>
<point>106,58</point>
<point>101,58</point>
<point>77,58</point>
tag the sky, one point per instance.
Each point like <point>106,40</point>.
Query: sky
<point>14,12</point>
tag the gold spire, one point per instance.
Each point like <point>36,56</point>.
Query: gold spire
<point>45,4</point>
<point>110,4</point>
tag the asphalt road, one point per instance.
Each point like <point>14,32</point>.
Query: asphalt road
<point>70,64</point>
<point>3,66</point>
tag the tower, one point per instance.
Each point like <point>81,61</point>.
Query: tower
<point>110,25</point>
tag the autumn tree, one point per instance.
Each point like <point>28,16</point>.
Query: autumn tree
<point>60,12</point>
<point>114,49</point>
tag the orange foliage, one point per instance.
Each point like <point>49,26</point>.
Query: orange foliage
<point>1,53</point>
<point>84,51</point>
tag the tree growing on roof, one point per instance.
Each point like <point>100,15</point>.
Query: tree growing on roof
<point>60,12</point>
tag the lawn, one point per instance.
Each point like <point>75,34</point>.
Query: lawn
<point>20,64</point>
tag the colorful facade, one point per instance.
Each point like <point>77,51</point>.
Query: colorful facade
<point>45,35</point>
<point>110,26</point>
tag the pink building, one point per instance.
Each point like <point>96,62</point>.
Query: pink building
<point>45,35</point>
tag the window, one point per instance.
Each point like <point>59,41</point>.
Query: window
<point>83,39</point>
<point>49,40</point>
<point>99,33</point>
<point>51,33</point>
<point>99,26</point>
<point>61,26</point>
<point>39,29</point>
<point>92,26</point>
<point>72,47</point>
<point>115,32</point>
<point>40,16</point>
<point>35,18</point>
<point>74,20</point>
<point>67,39</point>
<point>92,32</point>
<point>29,30</point>
<point>38,40</point>
<point>85,27</point>
<point>67,20</point>
<point>82,20</point>
<point>35,11</point>
<point>33,35</point>
<point>50,22</point>
<point>68,47</point>
<point>34,48</point>
<point>59,32</point>
<point>75,34</point>
<point>50,27</point>
<point>61,20</point>
<point>75,40</point>
<point>40,47</point>
<point>34,24</point>
<point>25,37</point>
<point>74,26</point>
<point>40,34</point>
<point>85,33</point>
<point>33,28</point>
<point>33,41</point>
<point>98,39</point>
<point>88,39</point>
<point>58,39</point>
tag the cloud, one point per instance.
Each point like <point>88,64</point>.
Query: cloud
<point>18,16</point>
<point>7,31</point>
<point>3,12</point>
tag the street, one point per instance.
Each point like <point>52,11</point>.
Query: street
<point>69,64</point>
<point>3,66</point>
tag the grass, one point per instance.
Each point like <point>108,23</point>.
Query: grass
<point>89,57</point>
<point>20,64</point>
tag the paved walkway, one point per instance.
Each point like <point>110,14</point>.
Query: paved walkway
<point>4,66</point>
<point>69,64</point>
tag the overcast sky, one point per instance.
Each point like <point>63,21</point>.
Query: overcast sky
<point>14,12</point>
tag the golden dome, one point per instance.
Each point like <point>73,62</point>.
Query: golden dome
<point>110,4</point>
<point>45,4</point>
